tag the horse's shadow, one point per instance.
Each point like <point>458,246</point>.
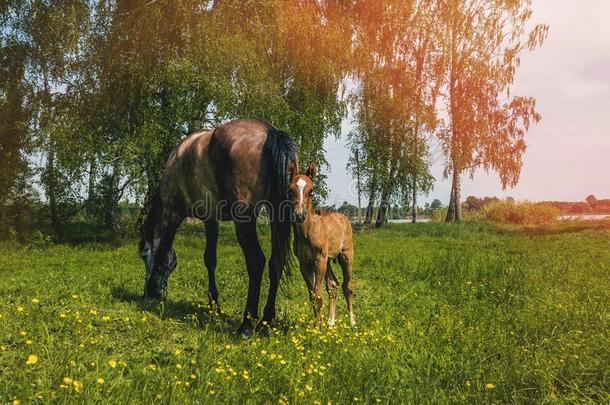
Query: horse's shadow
<point>183,311</point>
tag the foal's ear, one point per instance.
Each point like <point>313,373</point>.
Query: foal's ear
<point>312,170</point>
<point>293,170</point>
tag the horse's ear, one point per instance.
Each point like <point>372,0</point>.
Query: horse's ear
<point>312,170</point>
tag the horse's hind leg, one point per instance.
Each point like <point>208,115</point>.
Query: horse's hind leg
<point>331,287</point>
<point>209,258</point>
<point>255,263</point>
<point>345,261</point>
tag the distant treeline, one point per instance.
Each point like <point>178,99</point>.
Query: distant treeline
<point>591,205</point>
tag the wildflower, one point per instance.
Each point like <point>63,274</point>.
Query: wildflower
<point>178,366</point>
<point>35,301</point>
<point>78,386</point>
<point>177,352</point>
<point>16,402</point>
<point>105,318</point>
<point>490,386</point>
<point>67,380</point>
<point>308,387</point>
<point>193,376</point>
<point>112,363</point>
<point>93,312</point>
<point>23,333</point>
<point>62,315</point>
<point>32,359</point>
<point>28,342</point>
<point>101,381</point>
<point>74,296</point>
<point>19,309</point>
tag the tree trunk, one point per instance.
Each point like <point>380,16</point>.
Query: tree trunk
<point>382,214</point>
<point>414,213</point>
<point>51,190</point>
<point>454,211</point>
<point>370,207</point>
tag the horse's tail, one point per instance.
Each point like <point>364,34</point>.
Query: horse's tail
<point>279,153</point>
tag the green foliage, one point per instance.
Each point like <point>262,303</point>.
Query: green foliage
<point>518,213</point>
<point>446,313</point>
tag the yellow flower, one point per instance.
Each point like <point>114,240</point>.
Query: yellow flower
<point>78,386</point>
<point>101,381</point>
<point>112,363</point>
<point>308,387</point>
<point>35,301</point>
<point>19,309</point>
<point>93,312</point>
<point>177,352</point>
<point>32,359</point>
<point>490,386</point>
<point>105,318</point>
<point>62,315</point>
<point>67,380</point>
<point>75,296</point>
<point>193,376</point>
<point>23,333</point>
<point>178,366</point>
<point>28,342</point>
<point>16,402</point>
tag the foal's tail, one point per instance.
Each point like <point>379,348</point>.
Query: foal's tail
<point>279,153</point>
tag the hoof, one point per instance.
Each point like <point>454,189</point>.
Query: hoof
<point>245,330</point>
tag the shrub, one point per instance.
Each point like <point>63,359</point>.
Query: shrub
<point>519,213</point>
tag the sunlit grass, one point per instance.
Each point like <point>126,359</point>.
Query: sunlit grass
<point>445,313</point>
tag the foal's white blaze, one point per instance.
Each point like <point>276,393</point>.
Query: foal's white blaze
<point>301,185</point>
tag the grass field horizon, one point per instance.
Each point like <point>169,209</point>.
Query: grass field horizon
<point>445,313</point>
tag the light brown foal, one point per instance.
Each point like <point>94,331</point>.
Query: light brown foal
<point>318,239</point>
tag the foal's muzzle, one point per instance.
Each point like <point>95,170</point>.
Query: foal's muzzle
<point>300,216</point>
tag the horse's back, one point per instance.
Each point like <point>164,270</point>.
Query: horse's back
<point>213,167</point>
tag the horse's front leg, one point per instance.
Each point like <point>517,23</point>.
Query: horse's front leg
<point>209,258</point>
<point>255,263</point>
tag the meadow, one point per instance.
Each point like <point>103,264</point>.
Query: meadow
<point>445,313</point>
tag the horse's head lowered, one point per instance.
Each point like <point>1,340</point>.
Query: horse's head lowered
<point>301,186</point>
<point>159,267</point>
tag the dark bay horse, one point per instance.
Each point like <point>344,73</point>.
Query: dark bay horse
<point>226,174</point>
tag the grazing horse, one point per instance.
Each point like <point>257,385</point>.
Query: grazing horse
<point>320,237</point>
<point>225,174</point>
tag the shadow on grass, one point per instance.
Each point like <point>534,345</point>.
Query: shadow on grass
<point>180,310</point>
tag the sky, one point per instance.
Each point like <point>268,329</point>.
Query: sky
<point>568,155</point>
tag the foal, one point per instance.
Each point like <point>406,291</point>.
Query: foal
<point>318,239</point>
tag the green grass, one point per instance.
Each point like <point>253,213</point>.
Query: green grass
<point>446,313</point>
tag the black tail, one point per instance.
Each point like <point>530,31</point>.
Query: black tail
<point>280,152</point>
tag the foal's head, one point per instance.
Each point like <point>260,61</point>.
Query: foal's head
<point>301,186</point>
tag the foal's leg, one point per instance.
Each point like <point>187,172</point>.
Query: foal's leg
<point>209,258</point>
<point>331,288</point>
<point>320,271</point>
<point>345,261</point>
<point>255,263</point>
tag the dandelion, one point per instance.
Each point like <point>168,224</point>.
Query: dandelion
<point>112,363</point>
<point>490,386</point>
<point>177,352</point>
<point>16,402</point>
<point>74,296</point>
<point>23,333</point>
<point>67,380</point>
<point>193,376</point>
<point>78,386</point>
<point>93,312</point>
<point>178,366</point>
<point>28,342</point>
<point>101,381</point>
<point>35,301</point>
<point>62,315</point>
<point>308,387</point>
<point>105,318</point>
<point>19,309</point>
<point>32,359</point>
